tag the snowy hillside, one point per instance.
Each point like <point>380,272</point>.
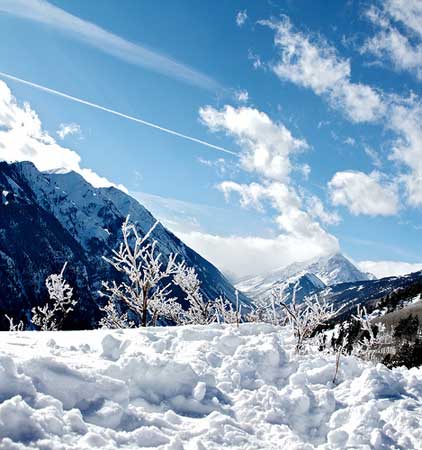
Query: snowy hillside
<point>318,273</point>
<point>197,388</point>
<point>47,219</point>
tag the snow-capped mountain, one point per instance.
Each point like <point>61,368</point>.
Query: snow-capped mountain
<point>47,219</point>
<point>361,289</point>
<point>312,275</point>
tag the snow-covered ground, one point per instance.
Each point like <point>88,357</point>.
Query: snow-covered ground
<point>197,388</point>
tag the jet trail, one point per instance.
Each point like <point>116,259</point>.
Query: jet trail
<point>117,113</point>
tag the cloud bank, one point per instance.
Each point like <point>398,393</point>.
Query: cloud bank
<point>383,269</point>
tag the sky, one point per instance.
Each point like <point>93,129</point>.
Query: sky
<point>261,133</point>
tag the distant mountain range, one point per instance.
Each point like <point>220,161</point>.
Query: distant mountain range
<point>309,277</point>
<point>47,219</point>
<point>333,277</point>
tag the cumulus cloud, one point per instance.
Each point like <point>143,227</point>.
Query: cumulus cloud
<point>363,193</point>
<point>383,269</point>
<point>312,63</point>
<point>287,203</point>
<point>22,138</point>
<point>266,145</point>
<point>66,129</point>
<point>241,18</point>
<point>399,35</point>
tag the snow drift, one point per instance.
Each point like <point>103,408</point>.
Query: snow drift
<point>198,388</point>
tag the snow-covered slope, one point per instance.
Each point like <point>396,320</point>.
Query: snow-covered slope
<point>304,283</point>
<point>321,272</point>
<point>196,388</point>
<point>349,295</point>
<point>47,219</point>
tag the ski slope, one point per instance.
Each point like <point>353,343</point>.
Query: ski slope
<point>197,388</point>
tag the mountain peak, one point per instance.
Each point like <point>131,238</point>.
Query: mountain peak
<point>320,272</point>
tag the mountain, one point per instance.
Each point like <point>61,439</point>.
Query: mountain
<point>311,276</point>
<point>47,219</point>
<point>370,292</point>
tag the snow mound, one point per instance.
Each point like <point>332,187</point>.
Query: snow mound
<point>196,388</point>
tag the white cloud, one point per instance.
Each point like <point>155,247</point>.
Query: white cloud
<point>66,129</point>
<point>383,269</point>
<point>219,164</point>
<point>409,12</point>
<point>350,141</point>
<point>242,96</point>
<point>254,194</point>
<point>317,210</point>
<point>43,12</point>
<point>242,256</point>
<point>266,146</point>
<point>406,120</point>
<point>402,46</point>
<point>312,63</point>
<point>256,60</point>
<point>292,220</point>
<point>241,18</point>
<point>305,170</point>
<point>373,155</point>
<point>22,138</point>
<point>364,194</point>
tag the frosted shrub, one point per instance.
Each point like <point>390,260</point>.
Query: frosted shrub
<point>146,287</point>
<point>307,317</point>
<point>200,311</point>
<point>114,318</point>
<point>373,339</point>
<point>226,313</point>
<point>50,317</point>
<point>262,312</point>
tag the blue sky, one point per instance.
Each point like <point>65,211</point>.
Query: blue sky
<point>321,102</point>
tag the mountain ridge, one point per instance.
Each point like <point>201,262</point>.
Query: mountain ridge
<point>49,218</point>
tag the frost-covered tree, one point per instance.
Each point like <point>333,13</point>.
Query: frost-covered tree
<point>307,317</point>
<point>50,317</point>
<point>261,311</point>
<point>226,313</point>
<point>373,338</point>
<point>200,310</point>
<point>145,289</point>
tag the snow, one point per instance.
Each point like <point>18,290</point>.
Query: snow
<point>196,388</point>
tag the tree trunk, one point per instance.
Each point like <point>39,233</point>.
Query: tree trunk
<point>144,308</point>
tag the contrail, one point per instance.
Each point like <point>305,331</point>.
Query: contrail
<point>117,113</point>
